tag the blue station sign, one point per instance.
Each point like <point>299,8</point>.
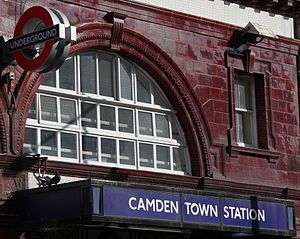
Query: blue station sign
<point>197,210</point>
<point>92,202</point>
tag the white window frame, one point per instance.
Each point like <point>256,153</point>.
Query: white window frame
<point>251,112</point>
<point>116,102</point>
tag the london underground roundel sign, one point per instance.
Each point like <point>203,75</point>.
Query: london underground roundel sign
<point>42,39</point>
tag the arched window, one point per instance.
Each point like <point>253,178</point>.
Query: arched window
<point>102,109</point>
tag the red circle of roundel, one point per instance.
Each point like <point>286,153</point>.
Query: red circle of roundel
<point>45,17</point>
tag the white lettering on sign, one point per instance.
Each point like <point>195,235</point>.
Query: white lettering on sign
<point>243,213</point>
<point>201,209</point>
<point>32,39</point>
<point>154,205</point>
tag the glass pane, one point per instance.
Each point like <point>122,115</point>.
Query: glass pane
<point>48,143</point>
<point>108,151</point>
<point>107,117</point>
<point>239,127</point>
<point>125,120</point>
<point>179,163</point>
<point>88,115</point>
<point>68,111</point>
<point>32,111</point>
<point>48,108</point>
<point>158,100</point>
<point>30,141</point>
<point>175,131</point>
<point>68,145</point>
<point>127,153</point>
<point>50,79</point>
<point>88,74</point>
<point>163,157</point>
<point>243,92</point>
<point>145,123</point>
<point>106,77</point>
<point>247,128</point>
<point>89,148</point>
<point>143,89</point>
<point>126,82</point>
<point>244,128</point>
<point>146,155</point>
<point>67,75</point>
<point>162,126</point>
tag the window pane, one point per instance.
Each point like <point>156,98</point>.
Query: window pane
<point>126,82</point>
<point>163,157</point>
<point>50,79</point>
<point>108,151</point>
<point>175,131</point>
<point>30,141</point>
<point>107,117</point>
<point>143,89</point>
<point>32,111</point>
<point>146,155</point>
<point>48,143</point>
<point>48,108</point>
<point>127,153</point>
<point>68,111</point>
<point>88,74</point>
<point>145,123</point>
<point>179,163</point>
<point>244,128</point>
<point>162,126</point>
<point>158,100</point>
<point>68,145</point>
<point>89,148</point>
<point>125,120</point>
<point>67,75</point>
<point>88,115</point>
<point>243,91</point>
<point>106,77</point>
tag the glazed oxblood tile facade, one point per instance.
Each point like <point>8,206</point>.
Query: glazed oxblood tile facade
<point>191,60</point>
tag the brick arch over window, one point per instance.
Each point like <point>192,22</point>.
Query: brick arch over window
<point>162,68</point>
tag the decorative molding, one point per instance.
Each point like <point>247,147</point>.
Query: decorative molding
<point>149,55</point>
<point>117,20</point>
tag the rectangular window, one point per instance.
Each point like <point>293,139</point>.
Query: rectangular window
<point>107,117</point>
<point>108,150</point>
<point>125,120</point>
<point>145,123</point>
<point>89,115</point>
<point>30,141</point>
<point>68,111</point>
<point>32,111</point>
<point>106,77</point>
<point>143,89</point>
<point>48,108</point>
<point>163,157</point>
<point>245,110</point>
<point>162,126</point>
<point>88,74</point>
<point>146,155</point>
<point>66,75</point>
<point>126,80</point>
<point>126,150</point>
<point>48,142</point>
<point>179,163</point>
<point>89,148</point>
<point>68,145</point>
